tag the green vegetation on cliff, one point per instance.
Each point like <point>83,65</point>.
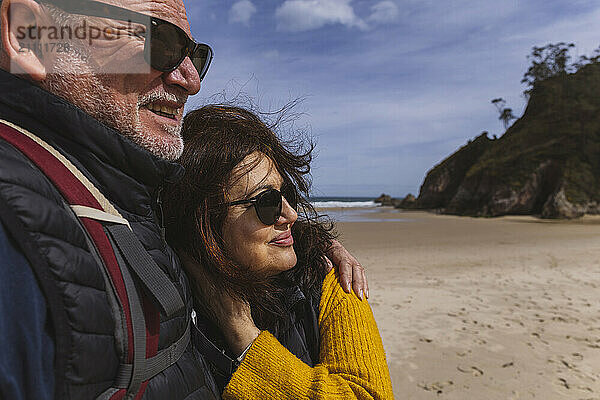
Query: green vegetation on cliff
<point>547,163</point>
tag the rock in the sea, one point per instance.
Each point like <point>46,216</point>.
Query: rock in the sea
<point>409,202</point>
<point>381,198</point>
<point>385,200</point>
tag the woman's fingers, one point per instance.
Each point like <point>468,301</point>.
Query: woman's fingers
<point>366,282</point>
<point>329,264</point>
<point>358,280</point>
<point>352,274</point>
<point>346,276</point>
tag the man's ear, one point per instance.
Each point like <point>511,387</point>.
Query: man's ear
<point>18,24</point>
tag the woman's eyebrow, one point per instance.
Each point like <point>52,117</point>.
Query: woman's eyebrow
<point>260,188</point>
<point>263,186</point>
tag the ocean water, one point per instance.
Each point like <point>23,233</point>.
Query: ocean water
<point>342,202</point>
<point>352,209</point>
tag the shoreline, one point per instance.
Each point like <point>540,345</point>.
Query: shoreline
<point>387,210</point>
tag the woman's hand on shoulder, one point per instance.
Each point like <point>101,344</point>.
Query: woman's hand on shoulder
<point>352,273</point>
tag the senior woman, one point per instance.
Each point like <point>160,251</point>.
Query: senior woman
<point>272,321</point>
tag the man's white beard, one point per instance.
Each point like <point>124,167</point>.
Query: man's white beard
<point>73,79</point>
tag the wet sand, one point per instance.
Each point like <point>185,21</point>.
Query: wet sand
<point>469,308</point>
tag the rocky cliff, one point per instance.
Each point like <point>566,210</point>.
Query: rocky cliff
<point>547,163</point>
<point>443,181</point>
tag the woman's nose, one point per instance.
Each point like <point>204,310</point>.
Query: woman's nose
<point>288,214</point>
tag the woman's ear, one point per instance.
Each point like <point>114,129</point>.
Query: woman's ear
<point>19,25</point>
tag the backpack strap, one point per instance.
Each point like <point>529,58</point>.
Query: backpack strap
<point>119,250</point>
<point>146,269</point>
<point>154,365</point>
<point>98,215</point>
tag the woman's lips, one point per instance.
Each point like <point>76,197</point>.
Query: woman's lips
<point>283,240</point>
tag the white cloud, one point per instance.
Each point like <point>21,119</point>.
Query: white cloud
<point>384,12</point>
<point>242,11</point>
<point>305,15</point>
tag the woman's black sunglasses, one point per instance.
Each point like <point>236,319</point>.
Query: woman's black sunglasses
<point>165,48</point>
<point>268,204</point>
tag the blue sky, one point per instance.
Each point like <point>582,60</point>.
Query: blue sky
<point>391,87</point>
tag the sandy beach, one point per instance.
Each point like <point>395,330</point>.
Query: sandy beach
<point>470,308</point>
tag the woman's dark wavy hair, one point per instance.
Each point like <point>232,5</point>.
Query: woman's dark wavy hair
<point>217,139</point>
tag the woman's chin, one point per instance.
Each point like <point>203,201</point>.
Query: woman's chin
<point>287,262</point>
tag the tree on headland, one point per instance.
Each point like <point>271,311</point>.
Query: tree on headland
<point>506,114</point>
<point>499,103</point>
<point>585,60</point>
<point>546,62</point>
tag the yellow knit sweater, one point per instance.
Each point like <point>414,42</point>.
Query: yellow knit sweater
<point>351,364</point>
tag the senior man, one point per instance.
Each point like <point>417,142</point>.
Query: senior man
<point>93,302</point>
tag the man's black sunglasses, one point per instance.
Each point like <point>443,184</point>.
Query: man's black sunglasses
<point>165,48</point>
<point>268,204</point>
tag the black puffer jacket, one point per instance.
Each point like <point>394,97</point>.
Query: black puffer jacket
<point>89,345</point>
